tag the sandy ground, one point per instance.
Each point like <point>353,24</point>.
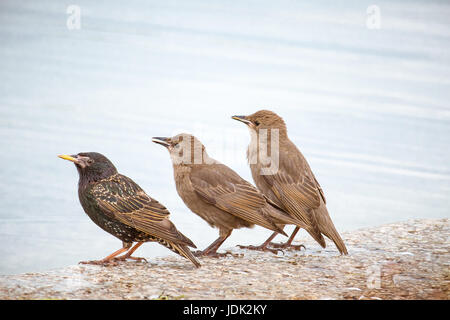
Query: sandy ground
<point>407,260</point>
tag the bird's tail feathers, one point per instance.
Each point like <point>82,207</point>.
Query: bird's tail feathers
<point>182,250</point>
<point>333,235</point>
<point>186,240</point>
<point>328,229</point>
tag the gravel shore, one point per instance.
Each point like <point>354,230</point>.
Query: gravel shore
<point>406,260</point>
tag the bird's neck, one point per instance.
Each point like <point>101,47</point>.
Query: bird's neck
<point>267,134</point>
<point>88,177</point>
<point>265,141</point>
<point>181,170</point>
<point>191,158</point>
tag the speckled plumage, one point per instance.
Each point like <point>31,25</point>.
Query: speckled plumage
<point>120,207</point>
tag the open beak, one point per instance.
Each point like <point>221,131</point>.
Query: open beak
<point>242,119</point>
<point>162,141</point>
<point>67,157</point>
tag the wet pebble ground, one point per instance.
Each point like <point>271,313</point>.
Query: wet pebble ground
<point>407,260</point>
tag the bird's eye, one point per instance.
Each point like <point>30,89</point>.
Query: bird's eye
<point>257,123</point>
<point>177,146</point>
<point>90,161</point>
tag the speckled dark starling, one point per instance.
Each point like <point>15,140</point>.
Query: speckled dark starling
<point>120,207</point>
<point>293,187</point>
<point>216,193</point>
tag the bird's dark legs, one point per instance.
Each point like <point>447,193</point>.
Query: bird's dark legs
<point>214,246</point>
<point>264,246</point>
<point>130,252</point>
<point>288,244</point>
<point>211,250</point>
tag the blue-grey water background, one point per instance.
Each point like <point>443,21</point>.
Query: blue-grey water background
<point>369,108</point>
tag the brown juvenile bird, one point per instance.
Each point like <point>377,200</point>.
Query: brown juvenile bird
<point>293,186</point>
<point>216,193</point>
<point>119,206</point>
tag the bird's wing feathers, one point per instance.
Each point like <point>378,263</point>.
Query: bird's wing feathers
<point>322,194</point>
<point>220,186</point>
<point>296,187</point>
<point>121,198</point>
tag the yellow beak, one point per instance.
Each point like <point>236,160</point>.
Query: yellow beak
<point>66,157</point>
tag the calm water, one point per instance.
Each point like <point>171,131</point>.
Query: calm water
<point>368,108</point>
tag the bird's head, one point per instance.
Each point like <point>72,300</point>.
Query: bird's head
<point>184,149</point>
<point>91,164</point>
<point>263,119</point>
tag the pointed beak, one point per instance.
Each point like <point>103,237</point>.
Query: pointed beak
<point>67,157</point>
<point>162,141</point>
<point>242,119</point>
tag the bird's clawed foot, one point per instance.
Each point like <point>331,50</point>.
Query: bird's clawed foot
<point>287,246</point>
<point>125,257</point>
<point>261,248</point>
<point>113,261</point>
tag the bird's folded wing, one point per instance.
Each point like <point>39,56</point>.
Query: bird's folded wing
<point>322,194</point>
<point>121,198</point>
<point>295,186</point>
<point>220,186</point>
